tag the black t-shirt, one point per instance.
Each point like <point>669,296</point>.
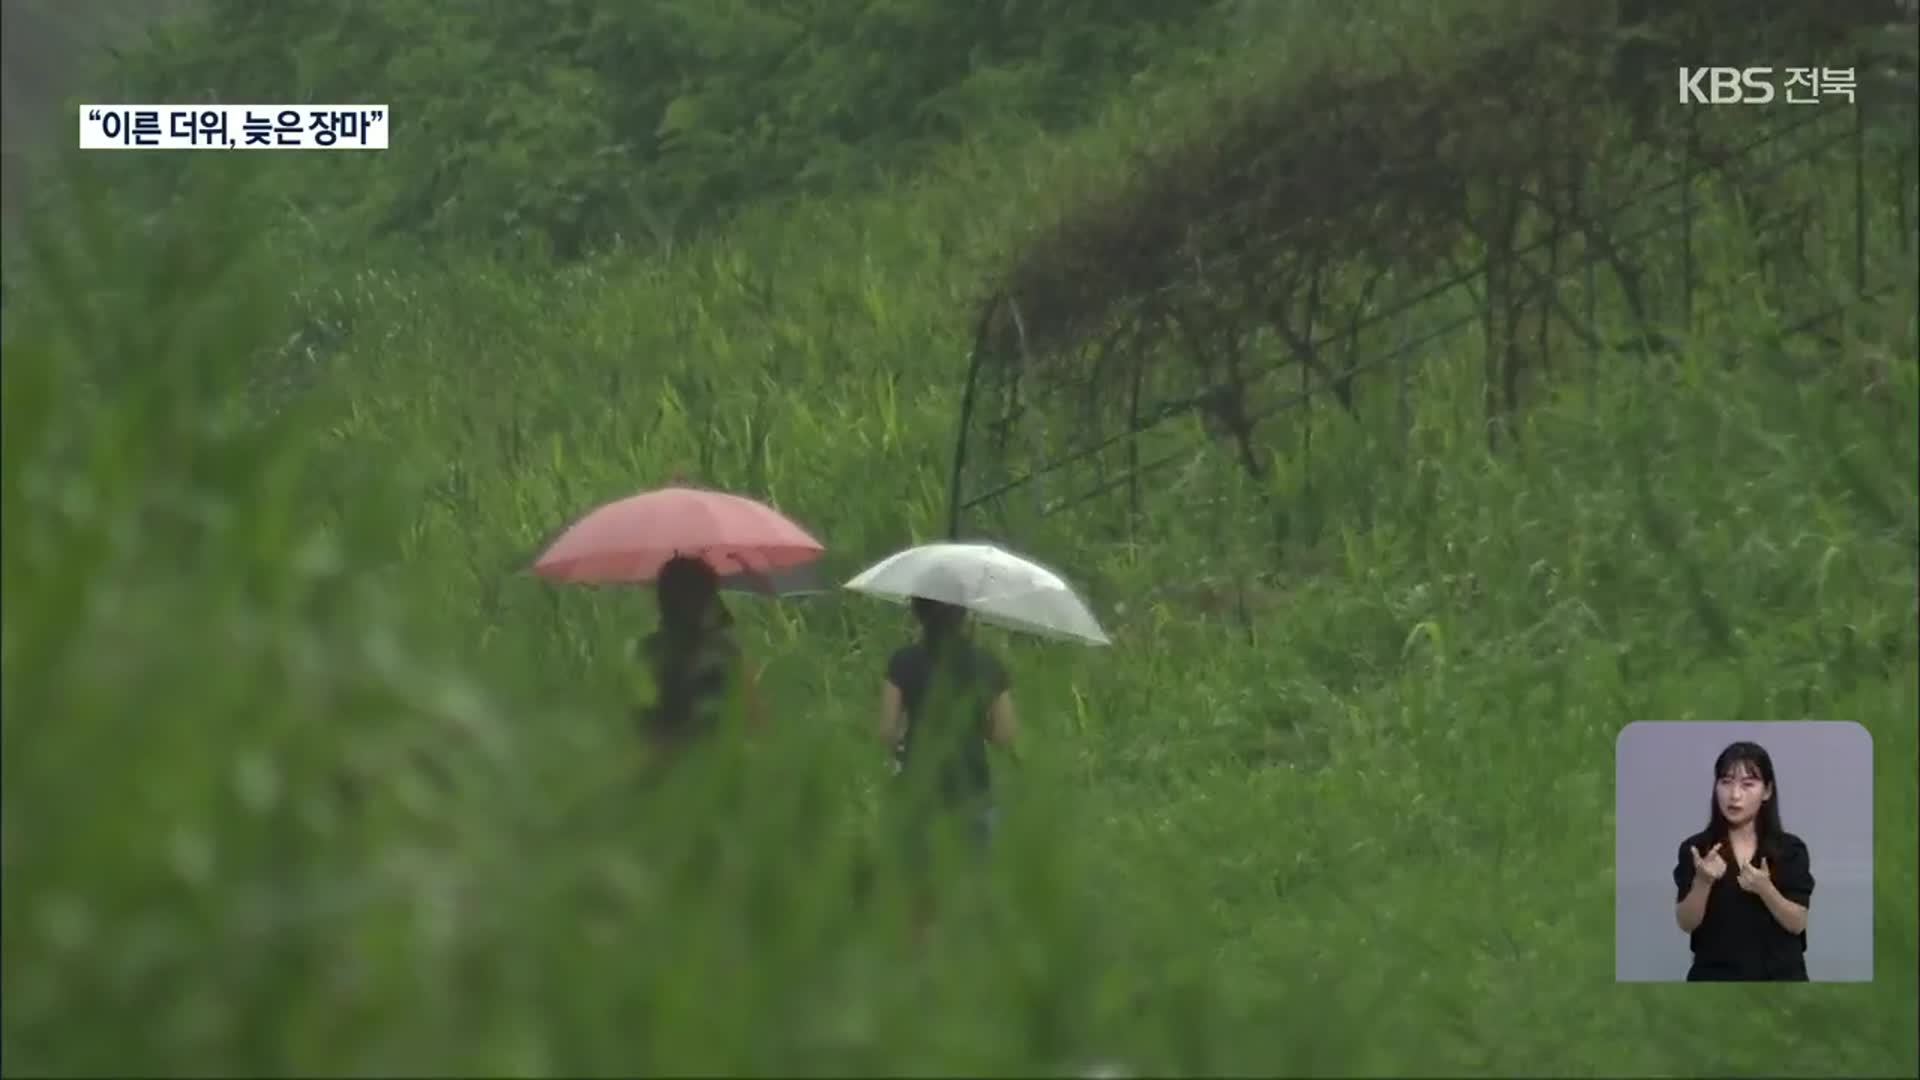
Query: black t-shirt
<point>692,678</point>
<point>1739,939</point>
<point>947,702</point>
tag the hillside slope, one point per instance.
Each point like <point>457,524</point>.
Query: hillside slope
<point>300,775</point>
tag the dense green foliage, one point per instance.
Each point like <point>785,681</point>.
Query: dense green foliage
<point>302,776</point>
<point>575,124</point>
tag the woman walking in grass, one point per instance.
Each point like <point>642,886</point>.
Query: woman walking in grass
<point>944,701</point>
<point>697,666</point>
<point>1744,882</point>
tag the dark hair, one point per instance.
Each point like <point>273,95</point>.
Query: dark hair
<point>1739,758</point>
<point>940,622</point>
<point>689,593</point>
<point>690,612</point>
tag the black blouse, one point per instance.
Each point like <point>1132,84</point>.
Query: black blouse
<point>1739,939</point>
<point>972,679</point>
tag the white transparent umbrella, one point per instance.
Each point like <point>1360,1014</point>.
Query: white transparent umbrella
<point>995,584</point>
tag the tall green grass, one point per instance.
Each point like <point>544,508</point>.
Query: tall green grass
<point>302,776</point>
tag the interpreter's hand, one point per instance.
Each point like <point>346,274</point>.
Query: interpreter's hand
<point>1710,866</point>
<point>1754,878</point>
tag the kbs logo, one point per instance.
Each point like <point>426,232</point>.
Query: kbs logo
<point>1755,85</point>
<point>1726,86</point>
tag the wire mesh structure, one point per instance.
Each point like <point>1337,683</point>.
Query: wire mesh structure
<point>1279,263</point>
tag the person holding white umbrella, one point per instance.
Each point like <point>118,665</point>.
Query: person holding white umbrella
<point>947,688</point>
<point>945,698</point>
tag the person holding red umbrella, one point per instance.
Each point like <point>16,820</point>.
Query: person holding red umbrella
<point>691,543</point>
<point>697,665</point>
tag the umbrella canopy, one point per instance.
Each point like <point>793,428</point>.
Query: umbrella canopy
<point>802,580</point>
<point>995,584</point>
<point>747,543</point>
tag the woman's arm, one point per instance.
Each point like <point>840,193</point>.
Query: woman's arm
<point>892,716</point>
<point>1694,875</point>
<point>1759,880</point>
<point>1792,917</point>
<point>1001,726</point>
<point>1692,909</point>
<point>1002,730</point>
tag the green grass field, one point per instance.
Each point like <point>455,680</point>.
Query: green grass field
<point>302,774</point>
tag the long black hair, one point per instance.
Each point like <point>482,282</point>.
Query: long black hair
<point>1743,759</point>
<point>940,622</point>
<point>688,592</point>
<point>947,713</point>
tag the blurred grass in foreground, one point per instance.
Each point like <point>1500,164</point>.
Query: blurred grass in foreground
<point>298,779</point>
<point>251,824</point>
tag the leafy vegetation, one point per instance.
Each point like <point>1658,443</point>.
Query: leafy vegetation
<point>606,124</point>
<point>302,776</point>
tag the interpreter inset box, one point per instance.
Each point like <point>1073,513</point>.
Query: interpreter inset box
<point>1743,852</point>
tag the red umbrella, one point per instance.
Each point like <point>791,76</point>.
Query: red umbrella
<point>630,539</point>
